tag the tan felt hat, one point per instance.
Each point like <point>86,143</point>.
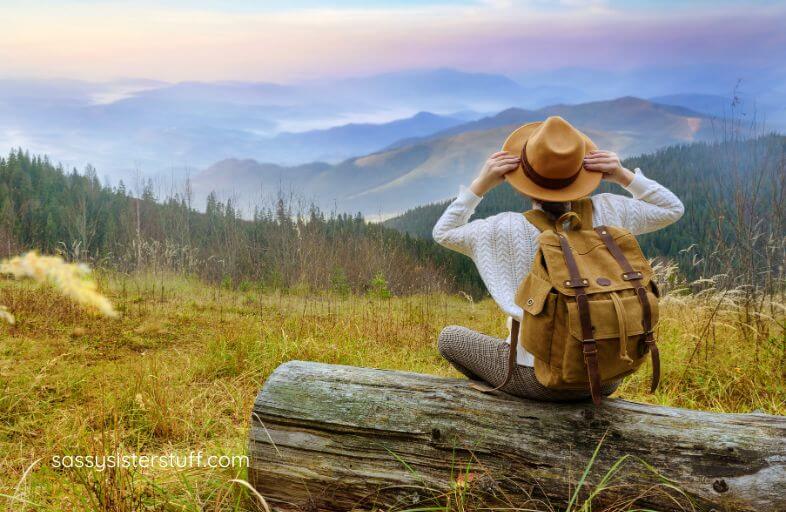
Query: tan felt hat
<point>552,161</point>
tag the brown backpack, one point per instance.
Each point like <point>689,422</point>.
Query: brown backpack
<point>589,303</point>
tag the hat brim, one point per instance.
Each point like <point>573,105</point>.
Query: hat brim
<point>585,183</point>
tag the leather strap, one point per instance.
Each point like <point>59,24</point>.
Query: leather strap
<point>646,318</point>
<point>588,345</point>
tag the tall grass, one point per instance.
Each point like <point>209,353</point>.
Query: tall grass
<point>179,369</point>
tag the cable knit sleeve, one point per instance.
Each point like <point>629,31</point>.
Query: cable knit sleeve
<point>452,230</point>
<point>652,207</point>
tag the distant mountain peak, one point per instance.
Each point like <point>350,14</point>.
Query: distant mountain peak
<point>630,100</point>
<point>423,114</point>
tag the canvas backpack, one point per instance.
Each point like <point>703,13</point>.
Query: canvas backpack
<point>590,304</point>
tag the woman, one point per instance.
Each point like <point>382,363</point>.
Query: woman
<point>552,163</point>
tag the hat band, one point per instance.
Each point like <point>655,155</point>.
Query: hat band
<point>550,183</point>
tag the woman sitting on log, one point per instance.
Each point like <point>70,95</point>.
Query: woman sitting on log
<point>503,246</point>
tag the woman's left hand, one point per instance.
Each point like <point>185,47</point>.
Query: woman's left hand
<point>609,164</point>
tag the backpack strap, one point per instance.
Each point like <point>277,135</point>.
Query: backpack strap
<point>588,345</point>
<point>540,220</point>
<point>629,274</point>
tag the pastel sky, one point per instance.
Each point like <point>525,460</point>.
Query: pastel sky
<point>306,39</point>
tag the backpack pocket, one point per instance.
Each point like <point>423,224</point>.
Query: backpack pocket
<point>617,329</point>
<point>539,302</point>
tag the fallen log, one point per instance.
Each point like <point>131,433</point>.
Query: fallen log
<point>329,437</point>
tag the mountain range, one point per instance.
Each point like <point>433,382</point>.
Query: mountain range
<point>421,170</point>
<point>153,126</point>
<point>127,127</point>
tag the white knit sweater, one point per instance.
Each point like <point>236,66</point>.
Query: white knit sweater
<point>504,245</point>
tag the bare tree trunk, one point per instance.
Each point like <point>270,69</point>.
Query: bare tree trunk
<point>331,437</point>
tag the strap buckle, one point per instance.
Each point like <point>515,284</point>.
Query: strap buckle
<point>589,346</point>
<point>576,283</point>
<point>646,341</point>
<point>631,276</point>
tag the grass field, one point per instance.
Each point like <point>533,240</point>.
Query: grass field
<point>179,370</point>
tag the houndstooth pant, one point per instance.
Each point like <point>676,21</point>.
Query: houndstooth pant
<point>482,357</point>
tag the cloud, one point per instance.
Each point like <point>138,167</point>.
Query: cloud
<point>303,41</point>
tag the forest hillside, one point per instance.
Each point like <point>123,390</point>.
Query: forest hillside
<point>285,245</point>
<point>724,186</point>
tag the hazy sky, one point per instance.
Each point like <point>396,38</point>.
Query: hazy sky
<point>302,39</point>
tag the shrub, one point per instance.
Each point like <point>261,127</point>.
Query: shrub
<point>378,287</point>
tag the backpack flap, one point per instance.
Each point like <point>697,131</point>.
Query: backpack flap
<point>595,262</point>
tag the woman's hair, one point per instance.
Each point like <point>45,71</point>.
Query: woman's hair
<point>555,209</point>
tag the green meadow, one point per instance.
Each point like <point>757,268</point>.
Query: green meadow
<point>178,371</point>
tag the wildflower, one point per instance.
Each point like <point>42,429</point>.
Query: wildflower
<point>464,480</point>
<point>68,278</point>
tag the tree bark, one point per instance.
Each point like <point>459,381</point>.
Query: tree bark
<point>329,437</point>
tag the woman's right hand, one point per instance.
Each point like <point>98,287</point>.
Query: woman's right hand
<point>494,171</point>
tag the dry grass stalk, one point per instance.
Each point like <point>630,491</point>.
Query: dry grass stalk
<point>70,279</point>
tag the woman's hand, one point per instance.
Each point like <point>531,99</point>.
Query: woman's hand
<point>494,171</point>
<point>609,164</point>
